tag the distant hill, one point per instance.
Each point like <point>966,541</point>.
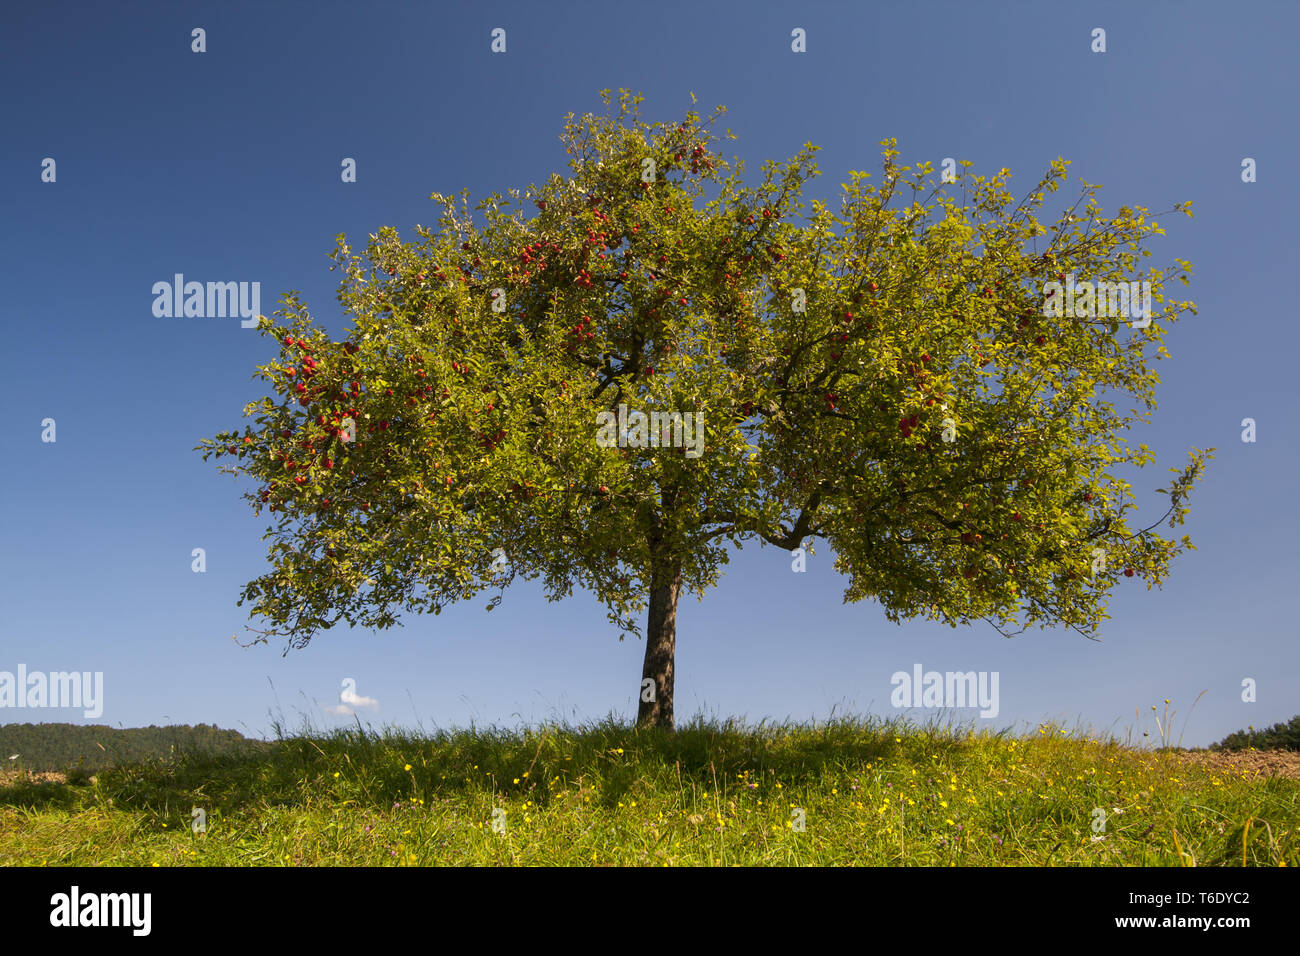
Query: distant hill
<point>1278,737</point>
<point>93,747</point>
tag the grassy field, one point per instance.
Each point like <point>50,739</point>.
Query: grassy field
<point>843,793</point>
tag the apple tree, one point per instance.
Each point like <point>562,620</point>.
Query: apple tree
<point>890,377</point>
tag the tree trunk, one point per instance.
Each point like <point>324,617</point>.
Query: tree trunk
<point>656,708</point>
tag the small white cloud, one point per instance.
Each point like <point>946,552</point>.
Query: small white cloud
<point>349,700</point>
<point>355,701</point>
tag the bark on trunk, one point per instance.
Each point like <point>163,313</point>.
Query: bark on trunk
<point>660,651</point>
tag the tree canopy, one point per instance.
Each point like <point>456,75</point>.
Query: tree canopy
<point>890,377</point>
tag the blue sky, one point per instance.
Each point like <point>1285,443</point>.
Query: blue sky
<point>225,166</point>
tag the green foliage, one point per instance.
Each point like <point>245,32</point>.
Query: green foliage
<point>1278,737</point>
<point>830,354</point>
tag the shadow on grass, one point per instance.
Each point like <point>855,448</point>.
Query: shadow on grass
<point>31,794</point>
<point>383,769</point>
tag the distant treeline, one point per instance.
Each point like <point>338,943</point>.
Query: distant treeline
<point>1278,737</point>
<point>92,747</point>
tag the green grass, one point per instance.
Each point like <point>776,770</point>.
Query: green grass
<point>871,794</point>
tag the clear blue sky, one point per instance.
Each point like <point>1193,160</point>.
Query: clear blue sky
<point>225,166</point>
